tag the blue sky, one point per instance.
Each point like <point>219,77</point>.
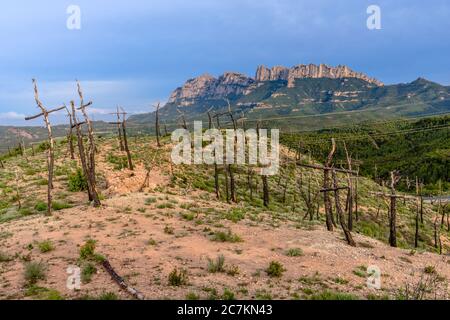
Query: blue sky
<point>135,52</point>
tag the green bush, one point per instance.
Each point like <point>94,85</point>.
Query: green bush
<point>275,269</point>
<point>78,181</point>
<point>228,295</point>
<point>87,250</point>
<point>178,278</point>
<point>43,146</point>
<point>294,252</point>
<point>41,206</point>
<point>88,271</point>
<point>217,265</point>
<point>46,246</point>
<point>328,295</point>
<point>221,236</point>
<point>60,205</point>
<point>34,271</point>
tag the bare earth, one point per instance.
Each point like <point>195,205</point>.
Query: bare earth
<point>126,223</point>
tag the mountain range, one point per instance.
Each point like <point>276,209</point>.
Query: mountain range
<point>301,98</point>
<point>303,90</point>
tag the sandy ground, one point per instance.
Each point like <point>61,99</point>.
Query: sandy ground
<point>122,233</point>
<point>127,221</point>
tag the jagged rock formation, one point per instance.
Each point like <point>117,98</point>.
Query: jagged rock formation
<point>232,83</point>
<point>310,71</point>
<point>209,87</point>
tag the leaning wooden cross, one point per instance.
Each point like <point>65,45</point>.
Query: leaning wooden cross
<point>123,124</point>
<point>50,154</point>
<point>88,170</point>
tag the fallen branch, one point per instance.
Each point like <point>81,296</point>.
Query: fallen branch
<point>121,282</point>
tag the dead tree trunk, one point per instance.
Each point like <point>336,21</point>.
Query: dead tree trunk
<point>250,182</point>
<point>50,153</point>
<point>119,130</point>
<point>19,202</point>
<point>350,190</point>
<point>91,150</point>
<point>265,183</point>
<point>158,133</point>
<point>345,229</point>
<point>216,169</point>
<point>393,211</point>
<point>326,185</point>
<point>70,136</point>
<point>81,151</point>
<point>230,166</point>
<point>227,191</point>
<point>125,142</point>
<point>232,184</point>
<point>419,208</point>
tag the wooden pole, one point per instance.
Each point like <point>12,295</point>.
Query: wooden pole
<point>119,130</point>
<point>50,153</point>
<point>326,185</point>
<point>157,126</point>
<point>70,136</point>
<point>345,229</point>
<point>125,142</point>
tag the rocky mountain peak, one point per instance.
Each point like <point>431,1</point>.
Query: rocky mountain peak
<point>234,83</point>
<point>309,71</point>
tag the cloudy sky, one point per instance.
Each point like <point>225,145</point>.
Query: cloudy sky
<point>134,53</point>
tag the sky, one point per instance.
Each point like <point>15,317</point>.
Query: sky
<point>134,53</point>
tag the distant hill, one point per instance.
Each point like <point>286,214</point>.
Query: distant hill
<point>305,90</point>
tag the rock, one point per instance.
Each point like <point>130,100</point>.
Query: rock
<point>233,83</point>
<point>310,71</point>
<point>209,87</point>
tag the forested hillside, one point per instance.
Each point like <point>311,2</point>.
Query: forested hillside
<point>419,148</point>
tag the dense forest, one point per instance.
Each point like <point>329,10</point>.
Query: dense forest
<point>416,148</point>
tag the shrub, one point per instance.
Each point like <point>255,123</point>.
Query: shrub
<point>86,274</point>
<point>227,295</point>
<point>43,146</point>
<point>221,236</point>
<point>4,257</point>
<point>87,250</point>
<point>108,296</point>
<point>275,269</point>
<point>168,230</point>
<point>42,293</point>
<point>41,206</point>
<point>149,201</point>
<point>46,246</point>
<point>232,270</point>
<point>78,181</point>
<point>429,270</point>
<point>192,296</point>
<point>178,278</point>
<point>34,271</point>
<point>60,205</point>
<point>217,265</point>
<point>294,252</point>
<point>328,295</point>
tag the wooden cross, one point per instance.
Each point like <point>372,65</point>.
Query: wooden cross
<point>50,154</point>
<point>122,122</point>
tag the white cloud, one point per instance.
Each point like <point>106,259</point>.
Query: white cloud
<point>11,115</point>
